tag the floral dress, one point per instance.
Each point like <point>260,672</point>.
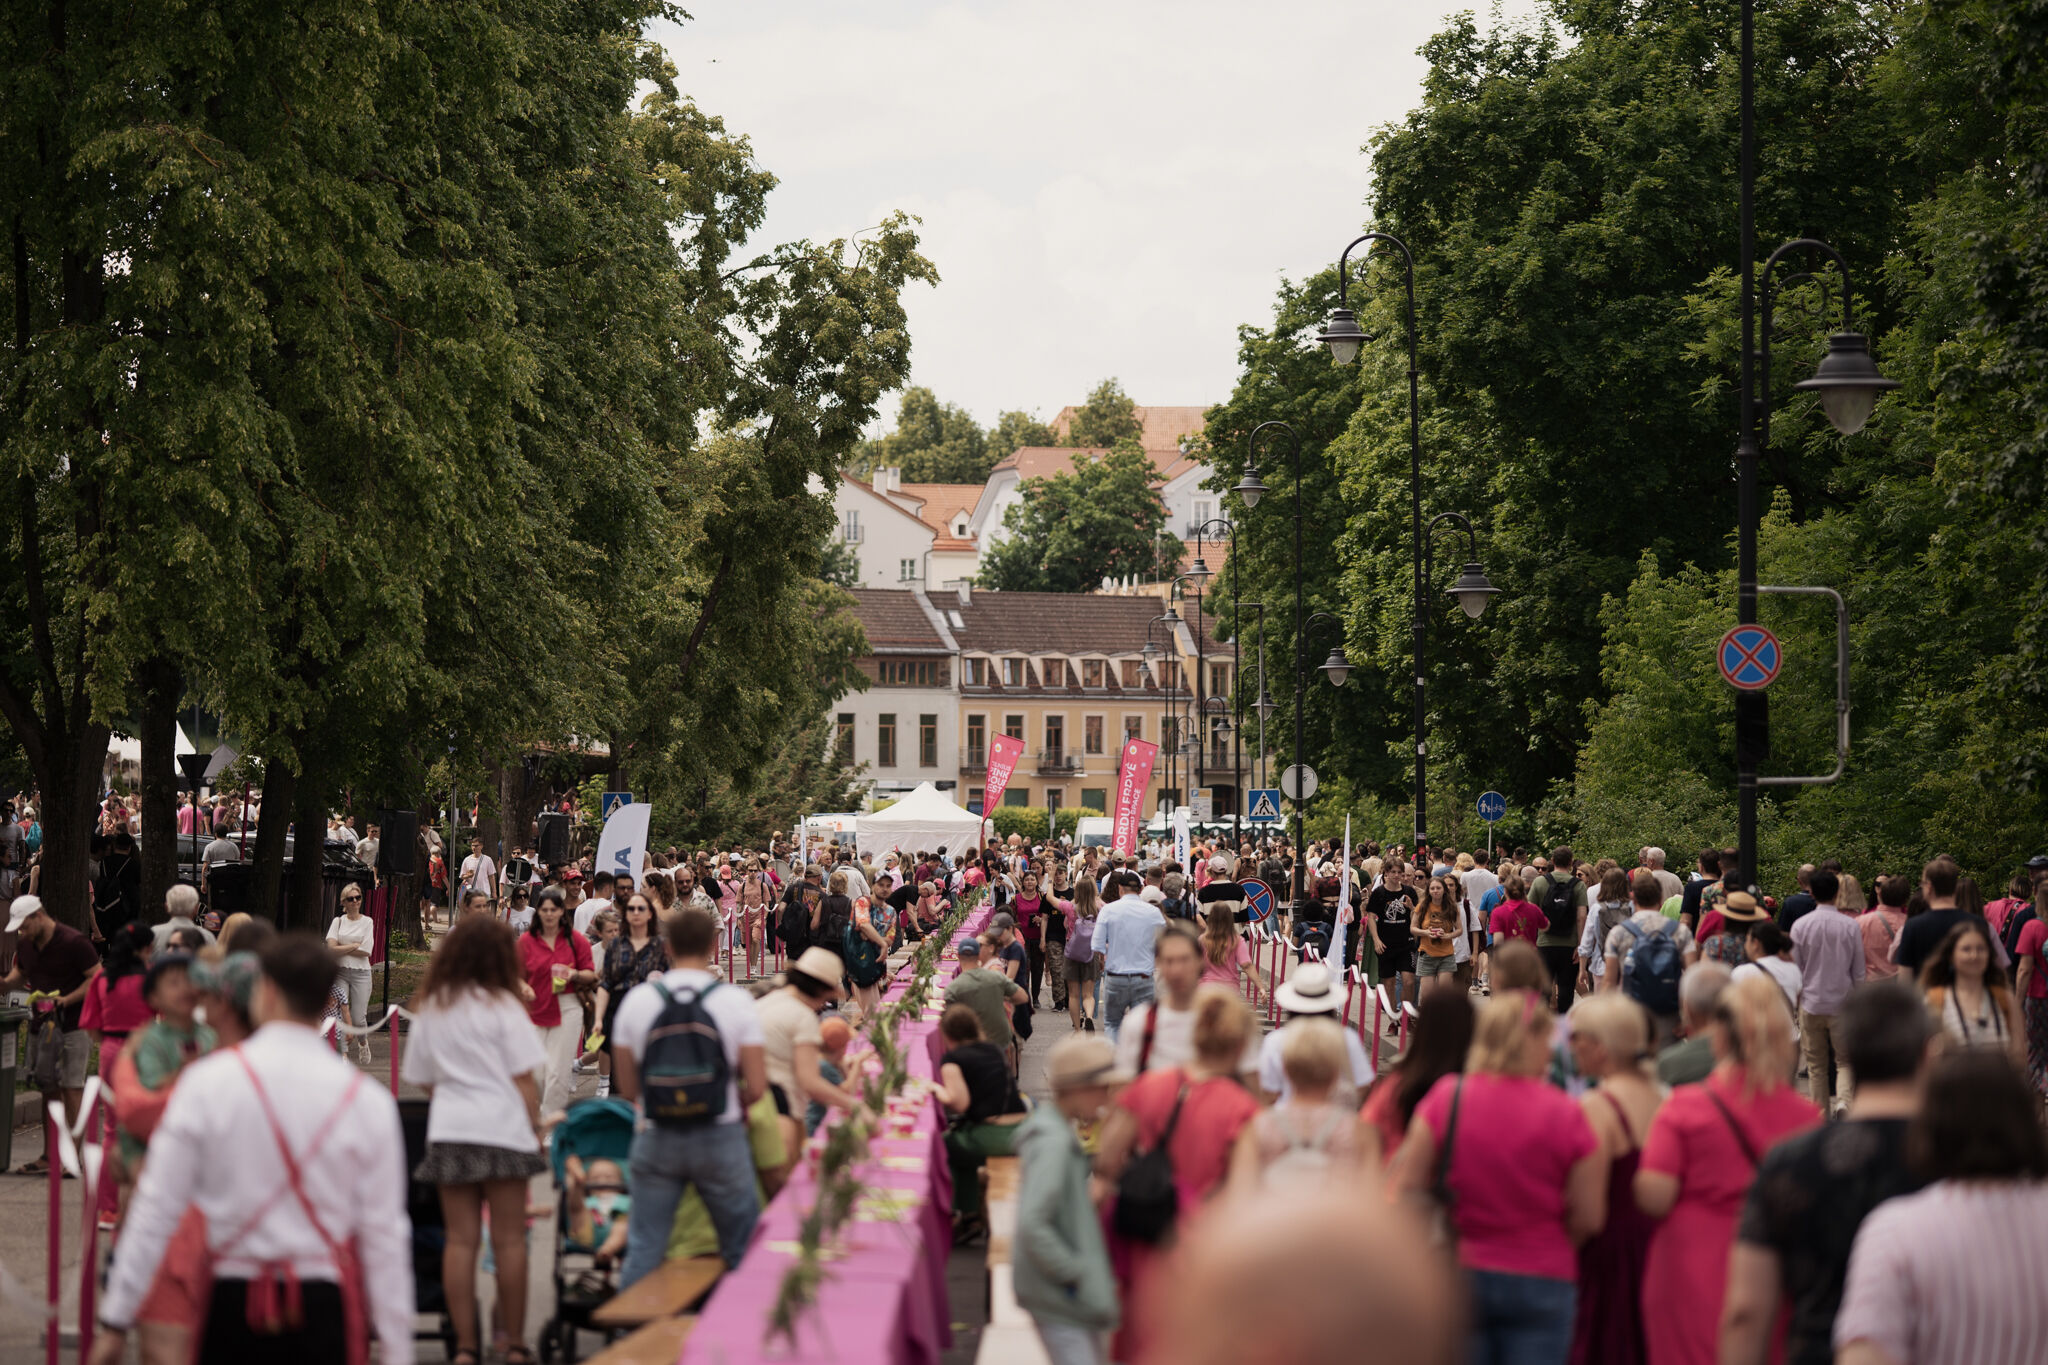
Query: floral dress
<point>624,968</point>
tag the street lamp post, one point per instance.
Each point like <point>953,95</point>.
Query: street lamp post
<point>1265,706</point>
<point>1847,383</point>
<point>1200,572</point>
<point>1336,668</point>
<point>1343,336</point>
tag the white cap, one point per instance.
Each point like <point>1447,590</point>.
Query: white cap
<point>23,907</point>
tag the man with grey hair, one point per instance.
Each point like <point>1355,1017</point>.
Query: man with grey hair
<point>180,903</point>
<point>1651,859</point>
<point>1691,1058</point>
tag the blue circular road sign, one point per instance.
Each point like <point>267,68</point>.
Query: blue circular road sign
<point>1258,900</point>
<point>1749,658</point>
<point>1492,806</point>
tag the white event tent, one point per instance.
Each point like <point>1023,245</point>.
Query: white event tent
<point>923,821</point>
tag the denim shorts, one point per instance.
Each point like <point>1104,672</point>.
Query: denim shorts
<point>1425,965</point>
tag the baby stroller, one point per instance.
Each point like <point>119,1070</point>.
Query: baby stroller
<point>590,1130</point>
<point>429,1233</point>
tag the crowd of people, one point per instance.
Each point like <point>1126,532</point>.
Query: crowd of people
<point>1634,1116</point>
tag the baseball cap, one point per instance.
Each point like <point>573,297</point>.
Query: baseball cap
<point>20,910</point>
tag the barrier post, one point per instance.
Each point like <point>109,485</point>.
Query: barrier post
<point>1273,984</point>
<point>392,1018</point>
<point>1408,1011</point>
<point>52,1117</point>
<point>1379,1009</point>
<point>1349,974</point>
<point>88,1281</point>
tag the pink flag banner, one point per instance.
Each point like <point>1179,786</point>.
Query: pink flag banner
<point>1133,775</point>
<point>1003,753</point>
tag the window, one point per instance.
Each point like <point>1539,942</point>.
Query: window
<point>1095,798</point>
<point>1134,727</point>
<point>928,741</point>
<point>1091,734</point>
<point>885,740</point>
<point>1055,799</point>
<point>1133,675</point>
<point>1055,737</point>
<point>910,673</point>
<point>977,741</point>
<point>906,570</point>
<point>1091,672</point>
<point>1219,680</point>
<point>849,530</point>
<point>1013,673</point>
<point>1017,796</point>
<point>1013,726</point>
<point>1204,510</point>
<point>1169,731</point>
<point>842,744</point>
<point>974,803</point>
<point>977,672</point>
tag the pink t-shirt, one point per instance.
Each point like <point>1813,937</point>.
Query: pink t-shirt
<point>1517,919</point>
<point>2032,939</point>
<point>117,1007</point>
<point>1880,928</point>
<point>1225,975</point>
<point>1510,1213</point>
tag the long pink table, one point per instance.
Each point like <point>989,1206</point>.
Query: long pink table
<point>883,1299</point>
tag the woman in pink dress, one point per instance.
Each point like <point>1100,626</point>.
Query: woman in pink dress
<point>1697,1164</point>
<point>1223,950</point>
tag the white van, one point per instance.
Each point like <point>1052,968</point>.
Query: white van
<point>1094,831</point>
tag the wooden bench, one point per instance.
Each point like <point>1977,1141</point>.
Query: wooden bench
<point>658,1343</point>
<point>670,1288</point>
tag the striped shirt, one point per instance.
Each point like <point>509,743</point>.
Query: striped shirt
<point>1952,1275</point>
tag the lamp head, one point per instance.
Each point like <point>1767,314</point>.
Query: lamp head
<point>1265,705</point>
<point>1473,590</point>
<point>1336,668</point>
<point>1342,335</point>
<point>1848,382</point>
<point>1199,571</point>
<point>1251,487</point>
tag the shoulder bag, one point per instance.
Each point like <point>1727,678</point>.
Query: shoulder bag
<point>1147,1201</point>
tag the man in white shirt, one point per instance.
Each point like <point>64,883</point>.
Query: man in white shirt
<point>479,873</point>
<point>1480,881</point>
<point>283,1089</point>
<point>600,901</point>
<point>1160,1033</point>
<point>1125,935</point>
<point>1652,861</point>
<point>1308,994</point>
<point>713,1155</point>
<point>179,903</point>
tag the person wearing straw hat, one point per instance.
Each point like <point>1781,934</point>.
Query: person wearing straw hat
<point>1724,933</point>
<point>1311,991</point>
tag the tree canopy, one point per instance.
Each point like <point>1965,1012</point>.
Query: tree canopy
<point>1108,418</point>
<point>1072,530</point>
<point>1568,189</point>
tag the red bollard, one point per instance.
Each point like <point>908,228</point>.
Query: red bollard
<point>1375,1030</point>
<point>1273,984</point>
<point>88,1281</point>
<point>1349,976</point>
<point>1408,1011</point>
<point>392,1018</point>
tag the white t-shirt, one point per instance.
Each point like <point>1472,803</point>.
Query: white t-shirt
<point>469,1049</point>
<point>1788,976</point>
<point>732,1009</point>
<point>1478,882</point>
<point>1273,1075</point>
<point>519,916</point>
<point>358,933</point>
<point>588,912</point>
<point>480,872</point>
<point>1173,1044</point>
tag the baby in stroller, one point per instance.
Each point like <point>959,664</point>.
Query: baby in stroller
<point>599,1205</point>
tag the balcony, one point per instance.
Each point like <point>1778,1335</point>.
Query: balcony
<point>973,760</point>
<point>1059,763</point>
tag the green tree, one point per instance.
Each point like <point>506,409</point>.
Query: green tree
<point>1072,530</point>
<point>933,442</point>
<point>1108,418</point>
<point>1012,432</point>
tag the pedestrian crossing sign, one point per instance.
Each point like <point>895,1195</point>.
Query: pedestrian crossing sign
<point>1265,805</point>
<point>611,802</point>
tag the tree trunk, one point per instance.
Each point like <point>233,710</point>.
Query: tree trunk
<point>280,789</point>
<point>306,909</point>
<point>70,782</point>
<point>160,685</point>
<point>489,827</point>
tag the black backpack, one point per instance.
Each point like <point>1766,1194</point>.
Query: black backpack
<point>1147,1201</point>
<point>1561,905</point>
<point>684,1076</point>
<point>1180,907</point>
<point>2016,920</point>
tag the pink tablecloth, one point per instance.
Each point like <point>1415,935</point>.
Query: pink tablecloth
<point>883,1299</point>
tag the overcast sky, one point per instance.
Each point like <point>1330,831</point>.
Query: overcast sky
<point>1107,187</point>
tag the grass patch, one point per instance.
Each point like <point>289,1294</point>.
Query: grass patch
<point>408,965</point>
